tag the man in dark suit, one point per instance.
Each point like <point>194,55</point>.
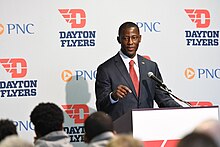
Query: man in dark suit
<point>115,91</point>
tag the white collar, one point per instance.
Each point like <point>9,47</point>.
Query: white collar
<point>127,59</point>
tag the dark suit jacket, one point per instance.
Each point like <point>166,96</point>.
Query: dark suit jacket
<point>113,72</point>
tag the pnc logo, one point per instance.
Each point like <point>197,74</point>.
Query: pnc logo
<point>1,29</point>
<point>78,74</point>
<point>16,66</point>
<point>199,16</point>
<point>66,75</point>
<point>76,17</point>
<point>78,112</point>
<point>189,73</point>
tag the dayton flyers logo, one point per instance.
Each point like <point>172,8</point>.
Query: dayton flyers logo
<point>199,16</point>
<point>16,66</point>
<point>76,17</point>
<point>74,112</point>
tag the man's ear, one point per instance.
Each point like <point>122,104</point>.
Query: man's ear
<point>140,38</point>
<point>119,41</point>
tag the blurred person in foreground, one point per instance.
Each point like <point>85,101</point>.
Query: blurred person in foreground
<point>98,129</point>
<point>15,141</point>
<point>48,122</point>
<point>125,140</point>
<point>7,128</point>
<point>210,127</point>
<point>195,139</point>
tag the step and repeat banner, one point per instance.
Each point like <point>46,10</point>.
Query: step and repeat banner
<point>49,52</point>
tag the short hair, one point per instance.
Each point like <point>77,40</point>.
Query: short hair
<point>127,25</point>
<point>15,141</point>
<point>47,117</point>
<point>97,123</point>
<point>125,140</point>
<point>7,127</point>
<point>210,127</point>
<point>195,139</point>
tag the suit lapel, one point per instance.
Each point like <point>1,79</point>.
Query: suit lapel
<point>124,72</point>
<point>144,69</point>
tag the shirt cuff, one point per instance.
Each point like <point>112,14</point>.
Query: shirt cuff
<point>111,99</point>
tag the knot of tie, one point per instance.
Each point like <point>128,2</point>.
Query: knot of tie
<point>131,63</point>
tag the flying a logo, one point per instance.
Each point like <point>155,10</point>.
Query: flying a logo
<point>199,16</point>
<point>78,112</point>
<point>76,17</point>
<point>16,66</point>
<point>189,73</point>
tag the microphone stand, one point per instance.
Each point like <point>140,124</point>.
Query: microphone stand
<point>164,88</point>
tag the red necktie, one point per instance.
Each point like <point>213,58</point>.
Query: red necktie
<point>134,77</point>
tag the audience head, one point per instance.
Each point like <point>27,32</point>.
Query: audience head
<point>7,128</point>
<point>97,123</point>
<point>15,141</point>
<point>125,141</point>
<point>210,127</point>
<point>195,139</point>
<point>47,117</point>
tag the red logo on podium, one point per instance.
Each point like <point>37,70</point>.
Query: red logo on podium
<point>161,143</point>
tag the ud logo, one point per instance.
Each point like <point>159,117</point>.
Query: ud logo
<point>199,16</point>
<point>78,112</point>
<point>16,66</point>
<point>76,17</point>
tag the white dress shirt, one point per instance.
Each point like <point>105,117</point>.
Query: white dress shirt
<point>126,61</point>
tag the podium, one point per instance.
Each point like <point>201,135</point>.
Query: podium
<point>163,126</point>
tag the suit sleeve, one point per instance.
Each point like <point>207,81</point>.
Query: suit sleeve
<point>102,90</point>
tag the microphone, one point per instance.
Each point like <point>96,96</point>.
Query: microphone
<point>152,76</point>
<point>164,87</point>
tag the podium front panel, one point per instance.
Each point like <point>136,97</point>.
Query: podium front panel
<point>169,124</point>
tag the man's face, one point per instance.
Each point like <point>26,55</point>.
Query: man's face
<point>129,39</point>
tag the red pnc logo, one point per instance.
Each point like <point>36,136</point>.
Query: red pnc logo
<point>16,66</point>
<point>78,112</point>
<point>199,16</point>
<point>76,17</point>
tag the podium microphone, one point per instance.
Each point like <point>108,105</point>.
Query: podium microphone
<point>164,87</point>
<point>152,76</point>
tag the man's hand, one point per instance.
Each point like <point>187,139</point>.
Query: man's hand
<point>120,92</point>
